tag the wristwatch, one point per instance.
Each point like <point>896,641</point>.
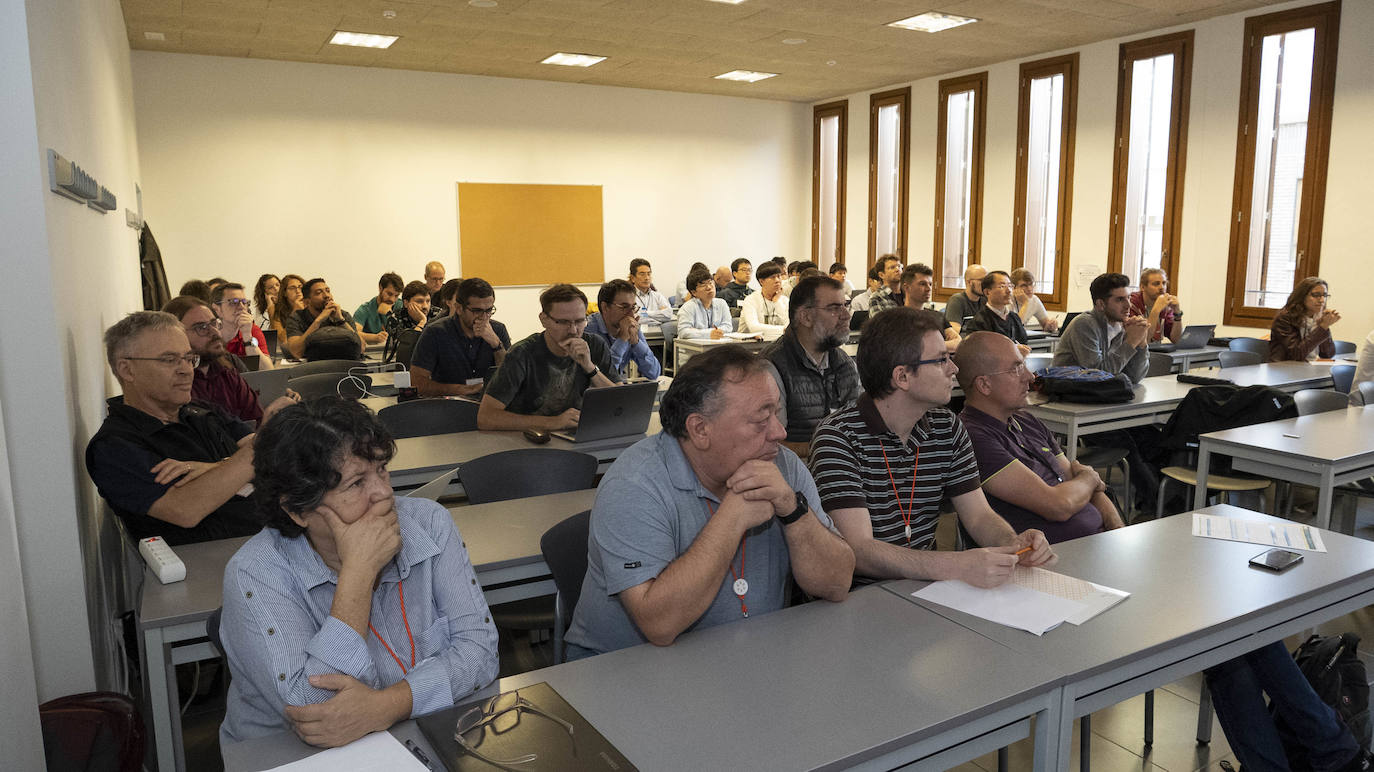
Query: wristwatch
<point>802,506</point>
<point>592,372</point>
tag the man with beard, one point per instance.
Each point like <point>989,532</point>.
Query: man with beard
<point>540,383</point>
<point>323,330</point>
<point>961,308</point>
<point>217,380</point>
<point>813,374</point>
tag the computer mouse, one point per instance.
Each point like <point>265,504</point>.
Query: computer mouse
<point>537,436</point>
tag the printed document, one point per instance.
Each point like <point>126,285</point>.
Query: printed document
<point>1293,536</point>
<point>1035,600</point>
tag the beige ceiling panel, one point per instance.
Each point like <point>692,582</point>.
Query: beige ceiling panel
<point>278,49</point>
<point>154,22</point>
<point>171,43</point>
<point>707,28</point>
<point>151,6</point>
<point>309,6</point>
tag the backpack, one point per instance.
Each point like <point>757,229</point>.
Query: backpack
<point>1077,384</point>
<point>1337,675</point>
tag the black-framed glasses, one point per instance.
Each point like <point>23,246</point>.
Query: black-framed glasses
<point>943,361</point>
<point>206,329</point>
<point>480,311</point>
<point>171,360</point>
<point>835,308</point>
<point>1320,295</point>
<point>240,302</point>
<point>500,714</point>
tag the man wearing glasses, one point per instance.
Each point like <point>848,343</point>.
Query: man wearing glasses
<point>815,376</point>
<point>241,337</point>
<point>616,323</point>
<point>454,353</point>
<point>997,314</point>
<point>540,383</point>
<point>217,380</point>
<point>883,465</point>
<point>765,311</point>
<point>167,467</point>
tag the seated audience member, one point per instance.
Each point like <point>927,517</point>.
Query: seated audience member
<point>290,299</point>
<point>793,276</point>
<point>216,283</point>
<point>241,336</point>
<point>434,281</point>
<point>861,301</point>
<point>813,374</point>
<point>1028,305</point>
<point>217,380</point>
<point>765,311</point>
<point>883,464</point>
<point>737,290</point>
<point>1302,328</point>
<point>1154,302</point>
<point>684,290</point>
<point>454,354</point>
<point>167,467</point>
<point>447,299</point>
<point>704,315</point>
<point>918,281</point>
<point>413,311</point>
<point>371,316</point>
<point>323,330</point>
<point>960,308</point>
<point>264,298</point>
<point>1364,370</point>
<point>889,295</point>
<point>722,277</point>
<point>654,308</point>
<point>997,314</point>
<point>838,272</point>
<point>1027,479</point>
<point>196,289</point>
<point>341,656</point>
<point>541,380</point>
<point>616,323</point>
<point>703,523</point>
<point>1107,337</point>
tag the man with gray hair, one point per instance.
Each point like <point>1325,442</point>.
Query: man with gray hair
<point>703,523</point>
<point>167,467</point>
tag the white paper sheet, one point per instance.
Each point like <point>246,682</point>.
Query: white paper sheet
<point>1293,536</point>
<point>1035,600</point>
<point>377,752</point>
<point>1094,598</point>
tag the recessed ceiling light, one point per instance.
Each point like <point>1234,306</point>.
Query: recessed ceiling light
<point>154,36</point>
<point>932,21</point>
<point>482,3</point>
<point>574,60</point>
<point>388,14</point>
<point>793,41</point>
<point>362,39</point>
<point>747,76</point>
<point>728,2</point>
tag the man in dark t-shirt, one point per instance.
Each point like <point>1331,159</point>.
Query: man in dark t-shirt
<point>323,330</point>
<point>454,353</point>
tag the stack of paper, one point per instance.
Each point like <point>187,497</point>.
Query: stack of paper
<point>1293,536</point>
<point>1034,600</point>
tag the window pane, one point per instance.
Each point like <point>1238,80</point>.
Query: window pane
<point>958,181</point>
<point>1152,83</point>
<point>829,188</point>
<point>1280,155</point>
<point>888,179</point>
<point>1042,178</point>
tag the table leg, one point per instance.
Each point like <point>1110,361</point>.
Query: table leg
<point>1054,732</point>
<point>1204,460</point>
<point>1071,441</point>
<point>160,701</point>
<point>1325,492</point>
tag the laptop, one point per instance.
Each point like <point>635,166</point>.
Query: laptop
<point>269,384</point>
<point>613,411</point>
<point>270,335</point>
<point>1194,336</point>
<point>856,322</point>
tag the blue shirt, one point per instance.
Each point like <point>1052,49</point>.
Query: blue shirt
<point>277,629</point>
<point>696,321</point>
<point>622,351</point>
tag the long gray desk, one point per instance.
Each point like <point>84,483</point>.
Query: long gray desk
<point>870,683</point>
<point>686,348</point>
<point>1194,603</point>
<point>1156,398</point>
<point>503,541</point>
<point>1323,451</point>
<point>1186,359</point>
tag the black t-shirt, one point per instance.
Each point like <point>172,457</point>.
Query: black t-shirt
<point>534,381</point>
<point>333,339</point>
<point>130,443</point>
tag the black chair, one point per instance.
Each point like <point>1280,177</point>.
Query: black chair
<point>1239,358</point>
<point>212,628</point>
<point>1252,345</point>
<point>1344,347</point>
<point>93,730</point>
<point>324,366</point>
<point>1366,391</point>
<point>1160,364</point>
<point>331,384</point>
<point>424,417</point>
<point>1312,401</point>
<point>565,551</point>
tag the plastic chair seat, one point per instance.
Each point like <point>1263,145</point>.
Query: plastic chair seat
<point>1215,482</point>
<point>525,614</point>
<point>1097,457</point>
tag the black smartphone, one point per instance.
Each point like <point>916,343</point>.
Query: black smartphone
<point>1276,560</point>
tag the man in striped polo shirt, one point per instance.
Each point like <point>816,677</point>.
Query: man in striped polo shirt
<point>883,464</point>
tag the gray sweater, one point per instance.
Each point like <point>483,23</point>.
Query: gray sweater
<point>1086,342</point>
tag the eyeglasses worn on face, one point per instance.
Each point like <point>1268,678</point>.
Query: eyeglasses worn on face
<point>171,360</point>
<point>1320,295</point>
<point>626,307</point>
<point>835,308</point>
<point>568,322</point>
<point>240,302</point>
<point>206,328</point>
<point>480,311</point>
<point>502,714</point>
<point>1017,370</point>
<point>943,361</point>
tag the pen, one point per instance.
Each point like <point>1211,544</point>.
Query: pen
<point>1022,551</point>
<point>419,754</point>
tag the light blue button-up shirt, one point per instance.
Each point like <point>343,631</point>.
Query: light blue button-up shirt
<point>696,321</point>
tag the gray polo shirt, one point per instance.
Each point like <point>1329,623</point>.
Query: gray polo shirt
<point>649,509</point>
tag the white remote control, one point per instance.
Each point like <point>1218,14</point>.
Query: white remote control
<point>162,560</point>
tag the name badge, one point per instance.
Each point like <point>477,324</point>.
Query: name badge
<point>473,382</point>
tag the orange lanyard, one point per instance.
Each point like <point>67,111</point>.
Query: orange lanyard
<point>741,587</point>
<point>400,590</point>
<point>911,500</point>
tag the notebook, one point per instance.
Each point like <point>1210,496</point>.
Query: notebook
<point>613,411</point>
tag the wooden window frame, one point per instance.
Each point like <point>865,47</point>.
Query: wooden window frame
<point>1325,19</point>
<point>902,98</point>
<point>1066,66</point>
<point>838,110</point>
<point>1180,45</point>
<point>978,84</point>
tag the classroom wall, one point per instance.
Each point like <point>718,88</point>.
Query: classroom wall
<point>255,166</point>
<point>1209,174</point>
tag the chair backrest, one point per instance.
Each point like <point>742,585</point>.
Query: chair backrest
<point>1253,345</point>
<point>1343,376</point>
<point>1366,391</point>
<point>324,366</point>
<point>424,417</point>
<point>565,551</point>
<point>515,474</point>
<point>1239,358</point>
<point>1160,364</point>
<point>330,384</point>
<point>1344,347</point>
<point>669,329</point>
<point>212,628</point>
<point>1310,401</point>
<point>93,730</point>
<point>403,347</point>
<point>1037,362</point>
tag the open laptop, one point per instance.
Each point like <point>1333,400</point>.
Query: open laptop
<point>1194,336</point>
<point>269,384</point>
<point>270,335</point>
<point>613,411</point>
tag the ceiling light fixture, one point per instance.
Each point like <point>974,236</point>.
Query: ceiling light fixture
<point>362,39</point>
<point>746,76</point>
<point>728,2</point>
<point>932,21</point>
<point>482,3</point>
<point>793,41</point>
<point>154,36</point>
<point>574,60</point>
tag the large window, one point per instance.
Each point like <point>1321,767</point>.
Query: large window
<point>962,124</point>
<point>1287,81</point>
<point>830,131</point>
<point>1044,174</point>
<point>1151,139</point>
<point>889,150</point>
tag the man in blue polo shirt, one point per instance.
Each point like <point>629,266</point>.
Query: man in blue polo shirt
<point>617,323</point>
<point>454,353</point>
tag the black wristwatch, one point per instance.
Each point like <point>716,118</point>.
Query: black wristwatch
<point>802,506</point>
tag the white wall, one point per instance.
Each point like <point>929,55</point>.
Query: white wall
<point>1209,173</point>
<point>257,166</point>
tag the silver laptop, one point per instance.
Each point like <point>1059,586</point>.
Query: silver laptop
<point>1194,336</point>
<point>613,411</point>
<point>269,384</point>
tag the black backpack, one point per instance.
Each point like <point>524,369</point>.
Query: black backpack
<point>1337,675</point>
<point>1080,384</point>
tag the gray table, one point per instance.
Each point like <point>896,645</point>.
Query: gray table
<point>1194,603</point>
<point>870,683</point>
<point>1186,359</point>
<point>684,348</point>
<point>1323,451</point>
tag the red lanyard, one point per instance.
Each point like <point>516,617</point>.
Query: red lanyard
<point>741,587</point>
<point>400,590</point>
<point>911,500</point>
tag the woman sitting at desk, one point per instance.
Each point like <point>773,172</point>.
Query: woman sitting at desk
<point>1302,328</point>
<point>352,609</point>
